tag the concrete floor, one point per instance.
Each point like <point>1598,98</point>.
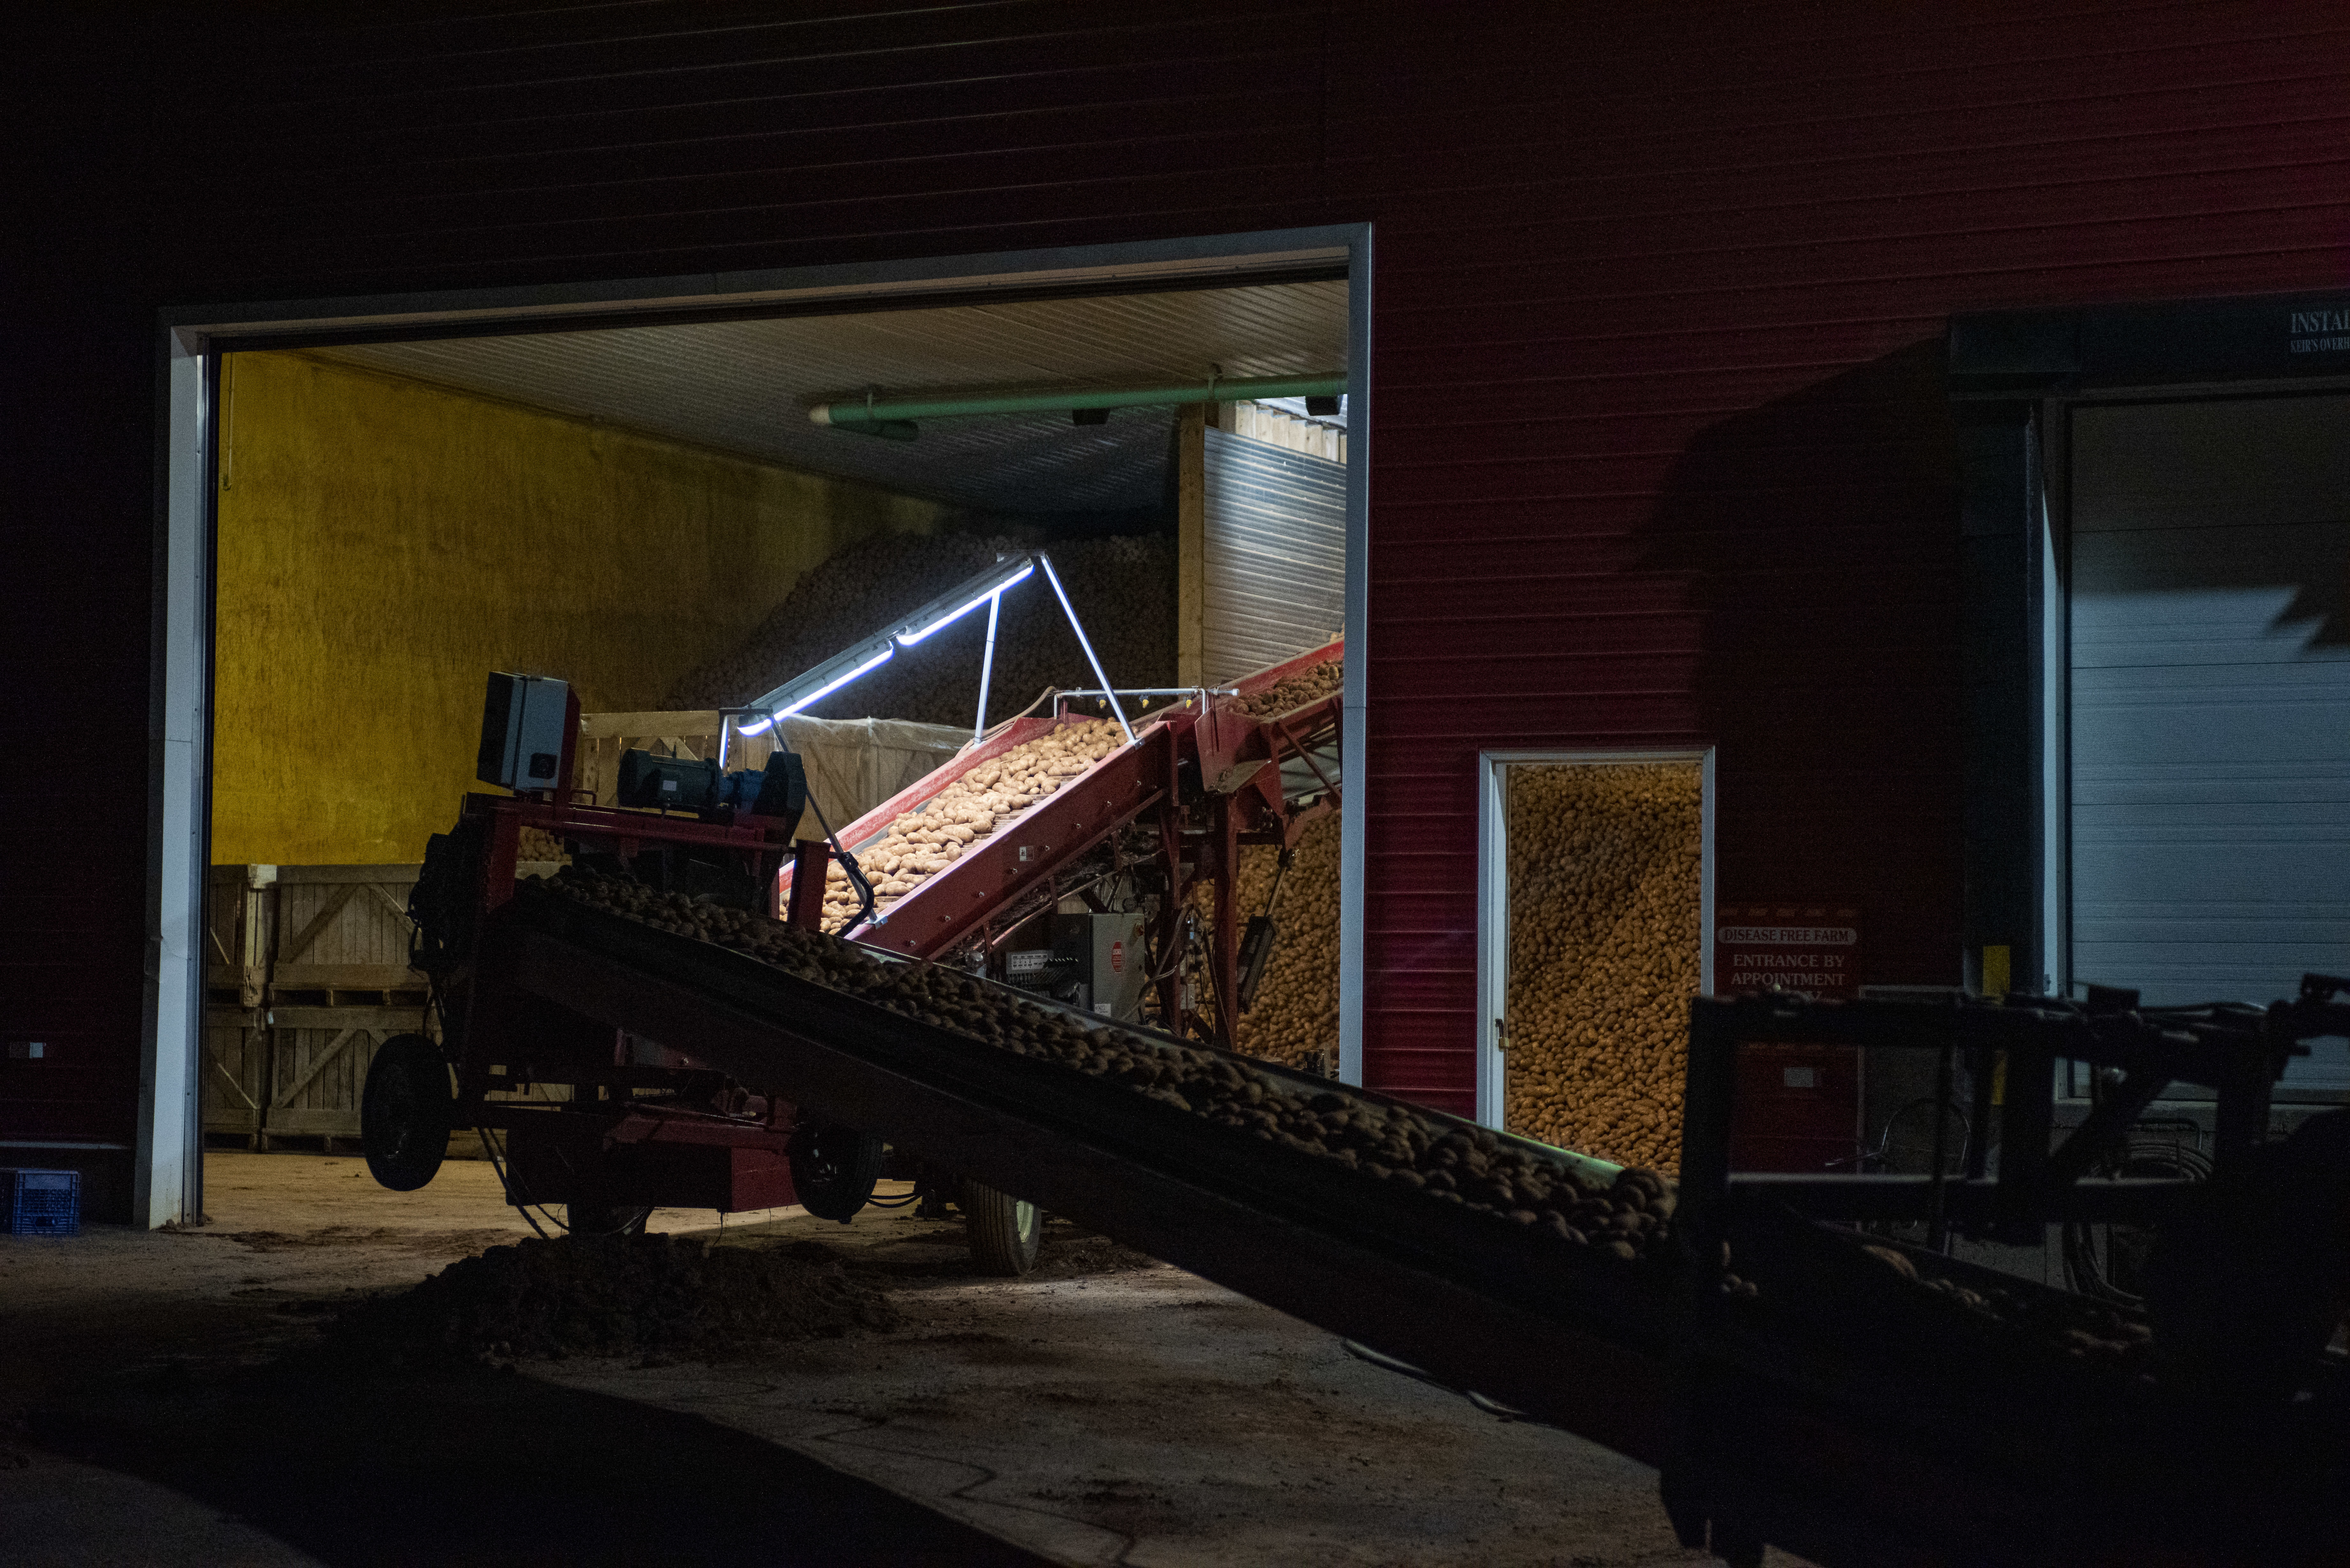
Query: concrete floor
<point>159,1392</point>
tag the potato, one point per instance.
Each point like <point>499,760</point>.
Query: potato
<point>1296,1011</point>
<point>921,844</point>
<point>1605,943</point>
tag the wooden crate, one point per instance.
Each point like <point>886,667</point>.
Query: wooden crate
<point>235,1072</point>
<point>240,926</point>
<point>318,1064</point>
<point>342,938</point>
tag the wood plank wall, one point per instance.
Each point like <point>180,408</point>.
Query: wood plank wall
<point>1659,440</point>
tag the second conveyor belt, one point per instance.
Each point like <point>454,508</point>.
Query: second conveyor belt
<point>1849,1423</point>
<point>1518,1316</point>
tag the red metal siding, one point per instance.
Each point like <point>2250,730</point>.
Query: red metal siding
<point>1658,437</point>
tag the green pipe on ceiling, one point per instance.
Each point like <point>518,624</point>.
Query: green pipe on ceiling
<point>865,415</point>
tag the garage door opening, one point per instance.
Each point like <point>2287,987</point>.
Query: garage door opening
<point>648,511</point>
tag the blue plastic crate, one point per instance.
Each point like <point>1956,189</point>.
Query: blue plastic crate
<point>41,1202</point>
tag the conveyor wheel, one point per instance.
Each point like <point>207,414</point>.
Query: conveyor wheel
<point>1005,1231</point>
<point>605,1219</point>
<point>834,1168</point>
<point>405,1111</point>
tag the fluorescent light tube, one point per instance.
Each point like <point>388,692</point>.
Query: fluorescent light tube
<point>837,681</point>
<point>758,728</point>
<point>908,639</point>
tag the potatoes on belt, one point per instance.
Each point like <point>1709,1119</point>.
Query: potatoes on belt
<point>924,841</point>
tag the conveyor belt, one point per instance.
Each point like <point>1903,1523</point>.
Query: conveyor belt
<point>1844,1421</point>
<point>1536,1325</point>
<point>1032,847</point>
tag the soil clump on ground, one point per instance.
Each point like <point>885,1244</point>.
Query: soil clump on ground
<point>656,1296</point>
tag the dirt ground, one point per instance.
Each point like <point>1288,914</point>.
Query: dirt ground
<point>163,1398</point>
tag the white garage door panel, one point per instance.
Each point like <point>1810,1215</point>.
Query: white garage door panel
<point>2210,702</point>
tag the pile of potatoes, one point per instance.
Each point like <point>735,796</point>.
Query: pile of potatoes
<point>1296,1009</point>
<point>538,843</point>
<point>1438,1161</point>
<point>1307,686</point>
<point>1123,589</point>
<point>1606,863</point>
<point>925,841</point>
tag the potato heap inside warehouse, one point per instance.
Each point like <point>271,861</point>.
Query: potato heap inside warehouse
<point>1606,865</point>
<point>1123,589</point>
<point>1296,1012</point>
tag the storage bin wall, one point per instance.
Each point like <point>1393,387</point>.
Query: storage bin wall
<point>384,543</point>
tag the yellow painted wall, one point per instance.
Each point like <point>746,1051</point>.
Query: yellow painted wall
<point>385,544</point>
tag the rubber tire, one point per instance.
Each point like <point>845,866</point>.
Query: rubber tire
<point>405,1112</point>
<point>834,1168</point>
<point>589,1219</point>
<point>1005,1231</point>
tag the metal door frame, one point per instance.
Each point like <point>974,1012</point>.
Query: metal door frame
<point>1494,893</point>
<point>168,1171</point>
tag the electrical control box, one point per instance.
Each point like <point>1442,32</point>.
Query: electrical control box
<point>522,732</point>
<point>1106,956</point>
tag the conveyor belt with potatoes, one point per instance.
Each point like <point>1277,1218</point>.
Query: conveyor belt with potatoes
<point>1518,1312</point>
<point>1842,1410</point>
<point>970,837</point>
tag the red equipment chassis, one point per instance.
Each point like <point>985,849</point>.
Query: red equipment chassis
<point>1205,775</point>
<point>638,1122</point>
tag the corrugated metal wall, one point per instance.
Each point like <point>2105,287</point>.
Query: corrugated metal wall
<point>1276,561</point>
<point>1659,449</point>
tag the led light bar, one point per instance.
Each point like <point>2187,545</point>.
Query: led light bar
<point>998,582</point>
<point>820,683</point>
<point>837,682</point>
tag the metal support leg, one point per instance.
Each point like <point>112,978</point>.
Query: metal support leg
<point>1708,1101</point>
<point>987,667</point>
<point>1226,937</point>
<point>1937,1228</point>
<point>2241,1120</point>
<point>811,859</point>
<point>1093,662</point>
<point>2026,1123</point>
<point>1171,1012</point>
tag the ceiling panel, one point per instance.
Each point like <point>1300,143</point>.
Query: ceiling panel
<point>746,386</point>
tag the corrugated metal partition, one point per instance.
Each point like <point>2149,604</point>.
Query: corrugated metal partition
<point>1275,557</point>
<point>1658,454</point>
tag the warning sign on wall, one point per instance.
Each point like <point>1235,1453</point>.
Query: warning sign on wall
<point>1810,949</point>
